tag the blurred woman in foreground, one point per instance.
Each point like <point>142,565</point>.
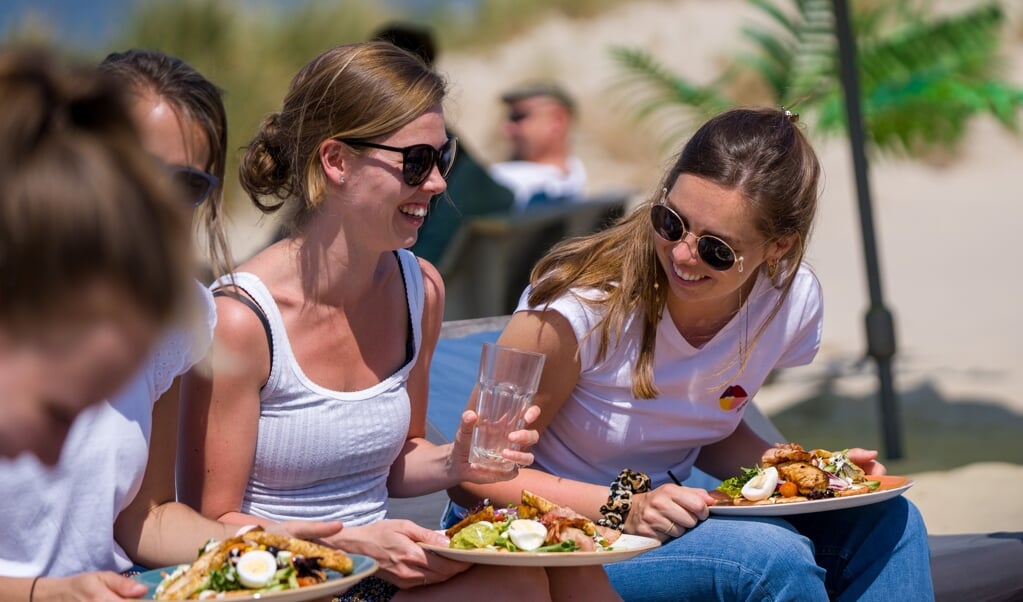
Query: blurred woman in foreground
<point>109,503</point>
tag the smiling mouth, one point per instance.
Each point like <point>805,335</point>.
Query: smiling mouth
<point>688,277</point>
<point>414,210</point>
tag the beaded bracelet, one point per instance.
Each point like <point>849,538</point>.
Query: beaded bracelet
<point>619,502</point>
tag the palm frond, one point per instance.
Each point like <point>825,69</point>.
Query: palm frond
<point>650,89</point>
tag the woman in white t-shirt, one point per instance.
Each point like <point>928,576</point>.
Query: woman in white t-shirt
<point>658,332</point>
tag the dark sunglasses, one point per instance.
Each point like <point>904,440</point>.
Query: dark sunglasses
<point>417,161</point>
<point>194,184</point>
<point>517,116</point>
<point>712,250</point>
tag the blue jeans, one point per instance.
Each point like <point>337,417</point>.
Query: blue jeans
<point>876,552</point>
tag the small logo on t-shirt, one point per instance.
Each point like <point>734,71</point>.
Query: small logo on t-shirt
<point>734,398</point>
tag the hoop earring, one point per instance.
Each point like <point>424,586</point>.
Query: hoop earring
<point>772,269</point>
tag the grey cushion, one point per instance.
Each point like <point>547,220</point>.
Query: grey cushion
<point>979,567</point>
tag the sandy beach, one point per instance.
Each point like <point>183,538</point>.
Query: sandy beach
<point>946,229</point>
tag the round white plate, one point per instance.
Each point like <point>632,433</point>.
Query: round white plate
<point>891,486</point>
<point>626,547</point>
<point>336,583</point>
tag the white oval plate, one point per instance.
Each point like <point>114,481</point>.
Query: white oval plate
<point>891,486</point>
<point>626,547</point>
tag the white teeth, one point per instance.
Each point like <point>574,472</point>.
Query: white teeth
<point>685,276</point>
<point>416,211</point>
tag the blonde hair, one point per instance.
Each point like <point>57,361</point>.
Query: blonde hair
<point>759,152</point>
<point>360,91</point>
<point>80,203</point>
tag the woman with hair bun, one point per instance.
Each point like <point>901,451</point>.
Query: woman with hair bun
<point>323,344</point>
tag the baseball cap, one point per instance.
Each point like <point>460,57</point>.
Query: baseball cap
<point>539,88</point>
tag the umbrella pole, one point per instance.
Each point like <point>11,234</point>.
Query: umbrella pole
<point>879,322</point>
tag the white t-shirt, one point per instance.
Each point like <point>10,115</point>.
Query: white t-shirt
<point>539,182</point>
<point>602,428</point>
<point>59,521</point>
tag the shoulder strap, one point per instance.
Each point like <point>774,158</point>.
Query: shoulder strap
<point>410,343</point>
<point>259,314</point>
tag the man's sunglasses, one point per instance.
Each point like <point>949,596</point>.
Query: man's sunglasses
<point>712,250</point>
<point>417,161</point>
<point>194,184</point>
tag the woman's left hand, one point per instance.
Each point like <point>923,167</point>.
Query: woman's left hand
<point>867,460</point>
<point>476,473</point>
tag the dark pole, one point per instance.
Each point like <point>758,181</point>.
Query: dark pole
<point>879,321</point>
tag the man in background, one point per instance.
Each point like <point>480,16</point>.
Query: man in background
<point>538,125</point>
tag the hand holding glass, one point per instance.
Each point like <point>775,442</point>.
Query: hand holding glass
<point>508,379</point>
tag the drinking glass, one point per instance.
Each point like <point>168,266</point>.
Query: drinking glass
<point>507,381</point>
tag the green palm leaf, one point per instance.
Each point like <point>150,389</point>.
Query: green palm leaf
<point>922,79</point>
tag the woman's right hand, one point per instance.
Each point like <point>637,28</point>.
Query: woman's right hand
<point>667,512</point>
<point>393,544</point>
<point>97,586</point>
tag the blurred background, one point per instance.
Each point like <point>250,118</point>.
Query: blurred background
<point>942,94</point>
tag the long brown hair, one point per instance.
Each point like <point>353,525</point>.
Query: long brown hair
<point>760,152</point>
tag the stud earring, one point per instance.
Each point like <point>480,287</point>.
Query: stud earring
<point>340,179</point>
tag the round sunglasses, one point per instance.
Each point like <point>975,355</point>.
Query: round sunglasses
<point>195,185</point>
<point>712,250</point>
<point>417,161</point>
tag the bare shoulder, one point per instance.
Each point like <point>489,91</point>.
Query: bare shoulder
<point>238,326</point>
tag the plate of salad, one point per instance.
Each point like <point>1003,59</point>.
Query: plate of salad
<point>792,480</point>
<point>537,532</point>
<point>260,565</point>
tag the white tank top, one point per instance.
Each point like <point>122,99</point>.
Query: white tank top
<point>323,454</point>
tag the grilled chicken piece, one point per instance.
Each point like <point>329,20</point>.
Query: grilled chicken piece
<point>329,558</point>
<point>785,452</point>
<point>807,477</point>
<point>487,514</point>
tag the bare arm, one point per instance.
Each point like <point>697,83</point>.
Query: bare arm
<point>220,416</point>
<point>551,334</point>
<point>154,529</point>
<point>423,467</point>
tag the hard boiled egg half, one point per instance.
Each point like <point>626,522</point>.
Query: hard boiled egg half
<point>761,486</point>
<point>527,534</point>
<point>256,568</point>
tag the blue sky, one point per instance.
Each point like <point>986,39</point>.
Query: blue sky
<point>75,23</point>
<point>87,24</point>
